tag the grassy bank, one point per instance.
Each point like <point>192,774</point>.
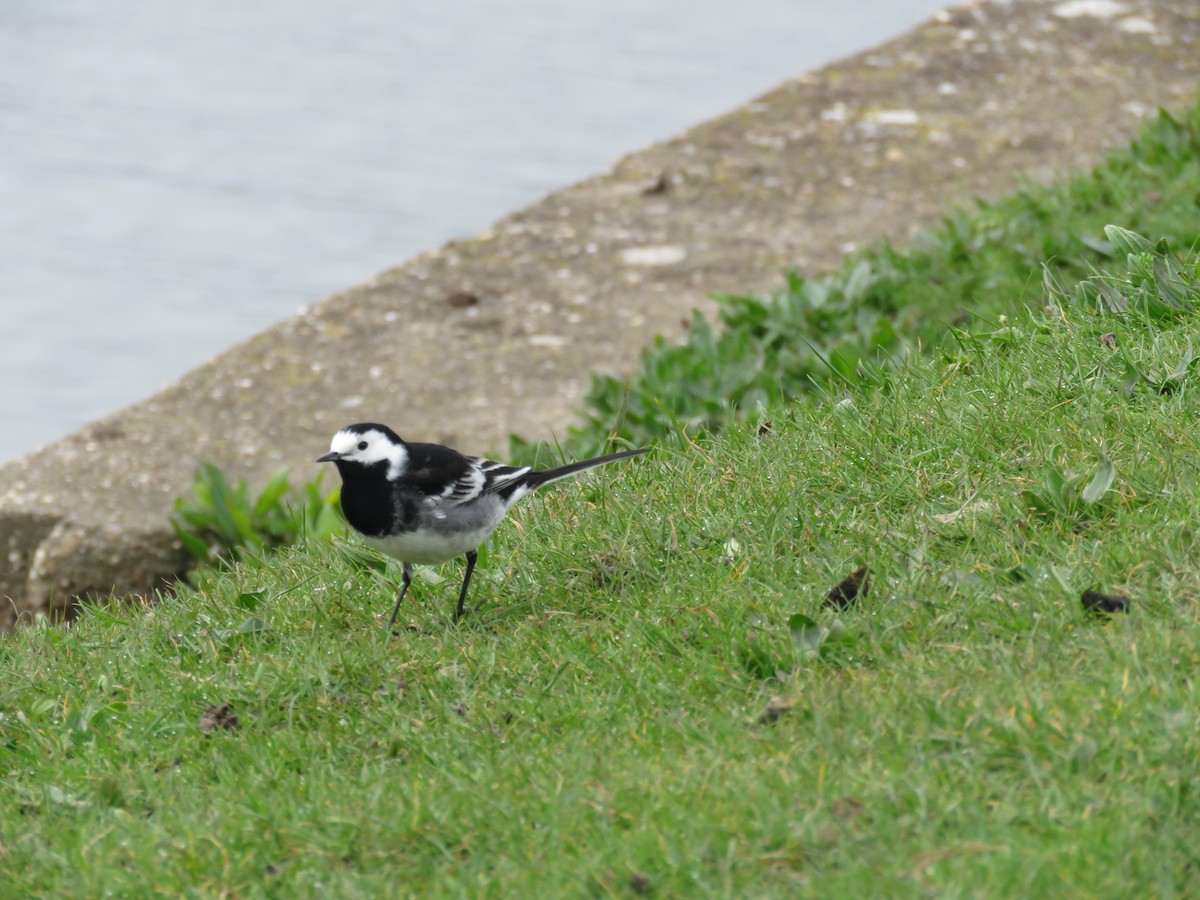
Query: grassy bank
<point>990,261</point>
<point>652,695</point>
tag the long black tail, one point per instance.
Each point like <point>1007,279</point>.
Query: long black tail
<point>535,480</point>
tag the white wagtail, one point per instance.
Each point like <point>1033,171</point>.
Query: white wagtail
<point>425,503</point>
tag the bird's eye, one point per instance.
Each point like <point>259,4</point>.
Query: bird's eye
<point>362,445</point>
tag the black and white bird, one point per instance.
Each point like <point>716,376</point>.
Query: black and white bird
<point>425,503</point>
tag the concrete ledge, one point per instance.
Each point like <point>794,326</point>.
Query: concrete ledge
<point>482,338</point>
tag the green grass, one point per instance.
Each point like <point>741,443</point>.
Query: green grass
<point>636,705</point>
<point>764,351</point>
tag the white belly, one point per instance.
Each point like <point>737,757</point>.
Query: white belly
<point>428,548</point>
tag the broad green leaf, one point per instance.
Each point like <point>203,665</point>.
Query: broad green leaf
<point>857,283</point>
<point>252,625</point>
<point>196,546</point>
<point>222,504</point>
<point>1106,474</point>
<point>428,574</point>
<point>250,599</point>
<point>272,493</point>
<point>246,532</point>
<point>329,521</point>
<point>808,634</point>
<point>1126,240</point>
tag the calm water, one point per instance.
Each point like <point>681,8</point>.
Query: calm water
<point>176,176</point>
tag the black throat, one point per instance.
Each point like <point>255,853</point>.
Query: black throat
<point>367,497</point>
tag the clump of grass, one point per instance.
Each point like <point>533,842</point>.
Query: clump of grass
<point>220,520</point>
<point>654,693</point>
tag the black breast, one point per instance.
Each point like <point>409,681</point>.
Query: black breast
<point>368,501</point>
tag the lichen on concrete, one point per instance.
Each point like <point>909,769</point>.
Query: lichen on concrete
<point>504,329</point>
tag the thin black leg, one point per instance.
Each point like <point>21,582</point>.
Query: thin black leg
<point>462,595</point>
<point>406,576</point>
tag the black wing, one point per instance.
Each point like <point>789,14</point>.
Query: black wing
<point>441,473</point>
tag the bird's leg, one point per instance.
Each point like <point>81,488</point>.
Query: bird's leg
<point>462,595</point>
<point>406,578</point>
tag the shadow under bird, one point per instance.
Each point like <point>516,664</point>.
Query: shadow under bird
<point>425,503</point>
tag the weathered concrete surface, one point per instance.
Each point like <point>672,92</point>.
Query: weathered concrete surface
<point>494,335</point>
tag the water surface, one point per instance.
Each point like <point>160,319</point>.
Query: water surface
<point>177,176</point>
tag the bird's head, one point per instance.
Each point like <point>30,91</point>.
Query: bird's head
<point>367,446</point>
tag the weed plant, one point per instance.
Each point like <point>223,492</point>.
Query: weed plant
<point>883,303</point>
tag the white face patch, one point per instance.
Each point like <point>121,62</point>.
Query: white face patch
<point>369,448</point>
